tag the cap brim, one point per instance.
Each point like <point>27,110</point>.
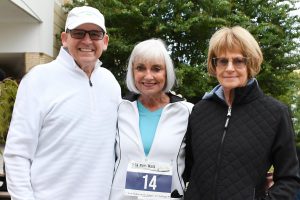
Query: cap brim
<point>90,21</point>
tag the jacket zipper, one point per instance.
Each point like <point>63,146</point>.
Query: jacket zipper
<point>220,152</point>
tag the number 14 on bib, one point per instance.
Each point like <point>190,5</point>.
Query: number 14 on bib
<point>144,179</point>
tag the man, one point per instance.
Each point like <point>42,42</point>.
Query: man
<point>60,145</point>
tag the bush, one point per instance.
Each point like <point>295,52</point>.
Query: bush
<point>8,91</point>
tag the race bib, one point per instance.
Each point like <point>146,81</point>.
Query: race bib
<point>148,180</point>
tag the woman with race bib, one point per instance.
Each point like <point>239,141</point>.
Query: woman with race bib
<point>152,122</point>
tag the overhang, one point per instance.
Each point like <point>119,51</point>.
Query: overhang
<point>17,11</point>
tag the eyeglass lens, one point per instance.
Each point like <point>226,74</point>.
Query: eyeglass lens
<point>80,34</point>
<point>236,62</point>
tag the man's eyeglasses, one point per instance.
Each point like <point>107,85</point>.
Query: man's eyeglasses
<point>237,62</point>
<point>80,34</point>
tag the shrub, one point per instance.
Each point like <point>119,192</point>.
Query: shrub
<point>8,91</point>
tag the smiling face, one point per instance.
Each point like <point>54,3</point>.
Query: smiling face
<point>231,76</point>
<point>85,51</point>
<point>150,76</point>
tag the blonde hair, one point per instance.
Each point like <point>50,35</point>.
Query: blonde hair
<point>235,38</point>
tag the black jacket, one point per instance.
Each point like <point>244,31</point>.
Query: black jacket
<point>230,162</point>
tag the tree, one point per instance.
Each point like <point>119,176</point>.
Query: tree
<point>187,26</point>
<point>295,104</point>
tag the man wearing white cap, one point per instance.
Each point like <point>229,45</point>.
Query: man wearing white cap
<point>60,144</point>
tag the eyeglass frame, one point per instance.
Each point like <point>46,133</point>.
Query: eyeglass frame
<point>245,60</point>
<point>86,32</point>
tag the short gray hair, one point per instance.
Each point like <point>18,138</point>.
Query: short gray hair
<point>150,49</point>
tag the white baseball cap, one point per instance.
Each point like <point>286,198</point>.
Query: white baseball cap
<point>83,15</point>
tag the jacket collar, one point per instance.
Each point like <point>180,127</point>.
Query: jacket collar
<point>133,97</point>
<point>69,61</point>
<point>242,95</point>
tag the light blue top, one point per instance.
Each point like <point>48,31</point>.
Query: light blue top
<point>148,124</point>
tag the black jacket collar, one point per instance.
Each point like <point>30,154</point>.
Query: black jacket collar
<point>243,95</point>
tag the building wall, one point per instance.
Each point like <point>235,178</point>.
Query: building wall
<point>18,37</point>
<point>33,59</point>
<point>37,39</point>
<point>59,24</point>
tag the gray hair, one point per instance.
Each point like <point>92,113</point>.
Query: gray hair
<point>150,49</point>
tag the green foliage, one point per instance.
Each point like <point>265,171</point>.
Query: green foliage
<point>8,91</point>
<point>294,99</point>
<point>187,26</point>
<point>191,80</point>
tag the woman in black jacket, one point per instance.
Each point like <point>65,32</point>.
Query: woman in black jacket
<point>236,132</point>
